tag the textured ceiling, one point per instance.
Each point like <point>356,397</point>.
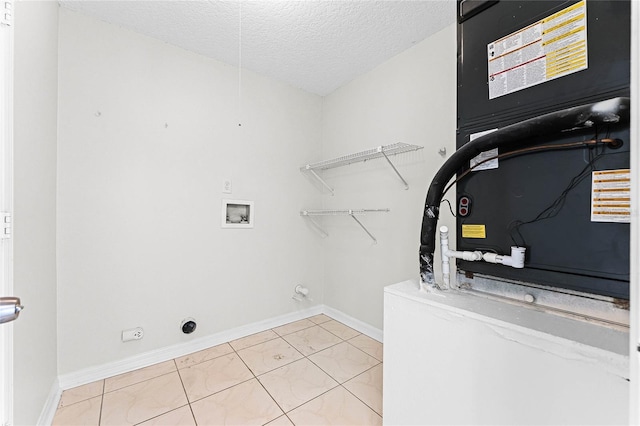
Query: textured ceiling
<point>316,45</point>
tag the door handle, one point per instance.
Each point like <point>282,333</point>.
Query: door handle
<point>10,308</point>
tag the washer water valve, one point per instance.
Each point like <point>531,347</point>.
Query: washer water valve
<point>301,293</point>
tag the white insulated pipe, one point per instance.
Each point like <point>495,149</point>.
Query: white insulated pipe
<point>516,260</point>
<point>470,256</point>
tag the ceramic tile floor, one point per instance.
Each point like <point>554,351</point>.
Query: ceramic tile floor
<point>316,371</point>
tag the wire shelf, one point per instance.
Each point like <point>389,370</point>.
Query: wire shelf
<point>351,212</point>
<point>341,212</point>
<point>380,152</point>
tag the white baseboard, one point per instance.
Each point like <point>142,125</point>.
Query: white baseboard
<point>51,404</point>
<point>88,375</point>
<point>356,324</point>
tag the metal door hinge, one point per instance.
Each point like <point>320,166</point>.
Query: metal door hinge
<point>6,13</point>
<point>7,225</point>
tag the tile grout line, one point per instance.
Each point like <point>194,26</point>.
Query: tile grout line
<point>268,371</point>
<point>323,349</point>
<point>104,384</point>
<point>337,381</point>
<point>361,334</point>
<point>162,414</point>
<point>221,390</point>
<point>360,399</point>
<point>329,375</point>
<point>320,325</point>
<point>251,346</point>
<point>186,395</point>
<point>351,378</point>
<point>314,398</point>
<point>59,406</point>
<point>367,354</point>
<point>341,385</point>
<point>303,328</point>
<point>303,357</point>
<point>282,336</point>
<point>205,360</point>
<point>364,403</point>
<point>171,410</point>
<point>307,356</point>
<point>258,380</point>
<point>369,369</point>
<point>141,381</point>
<point>274,401</point>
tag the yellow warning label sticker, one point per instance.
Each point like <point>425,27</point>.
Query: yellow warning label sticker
<point>545,50</point>
<point>474,231</point>
<point>611,196</point>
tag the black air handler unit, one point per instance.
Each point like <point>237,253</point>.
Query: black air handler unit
<point>543,200</point>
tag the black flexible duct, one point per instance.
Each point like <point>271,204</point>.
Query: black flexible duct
<point>611,111</point>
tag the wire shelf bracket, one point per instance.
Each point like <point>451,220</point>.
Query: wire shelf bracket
<point>383,151</point>
<point>309,214</point>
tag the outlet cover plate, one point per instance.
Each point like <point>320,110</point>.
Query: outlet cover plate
<point>226,186</point>
<point>132,334</point>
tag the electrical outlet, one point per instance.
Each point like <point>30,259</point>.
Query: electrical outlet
<point>226,186</point>
<point>132,334</point>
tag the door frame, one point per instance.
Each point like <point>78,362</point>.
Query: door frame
<point>634,298</point>
<point>6,203</point>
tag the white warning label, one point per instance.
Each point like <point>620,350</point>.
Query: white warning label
<point>611,196</point>
<point>485,160</point>
<point>550,48</point>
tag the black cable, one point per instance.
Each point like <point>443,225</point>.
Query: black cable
<point>557,205</point>
<point>450,207</point>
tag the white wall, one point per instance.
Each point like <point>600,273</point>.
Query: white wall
<point>411,99</point>
<point>35,114</point>
<point>147,133</point>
